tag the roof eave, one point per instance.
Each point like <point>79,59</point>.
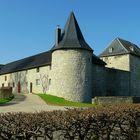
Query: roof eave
<point>68,48</point>
<point>113,54</point>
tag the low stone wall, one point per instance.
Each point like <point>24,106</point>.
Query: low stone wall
<point>5,92</point>
<point>116,100</point>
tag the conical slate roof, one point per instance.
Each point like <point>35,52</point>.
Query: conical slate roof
<point>72,37</point>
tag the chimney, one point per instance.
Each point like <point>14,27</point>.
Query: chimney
<point>57,35</point>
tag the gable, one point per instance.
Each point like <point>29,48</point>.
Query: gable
<point>115,48</point>
<point>121,46</point>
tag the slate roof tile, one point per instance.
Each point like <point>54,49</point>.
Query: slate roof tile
<point>27,63</point>
<point>121,46</point>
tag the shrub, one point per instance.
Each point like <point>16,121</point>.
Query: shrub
<point>5,92</point>
<point>5,100</point>
<point>102,123</point>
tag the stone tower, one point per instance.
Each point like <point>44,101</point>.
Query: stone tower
<point>71,70</point>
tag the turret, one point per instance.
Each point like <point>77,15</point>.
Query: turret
<point>71,73</point>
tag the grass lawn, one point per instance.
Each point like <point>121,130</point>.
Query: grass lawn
<point>3,101</point>
<point>54,100</point>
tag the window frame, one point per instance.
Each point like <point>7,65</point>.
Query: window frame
<point>5,78</point>
<point>37,82</point>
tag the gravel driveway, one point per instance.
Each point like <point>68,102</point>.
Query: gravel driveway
<point>28,103</point>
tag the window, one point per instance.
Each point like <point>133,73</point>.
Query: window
<point>8,84</point>
<point>131,48</point>
<point>111,50</point>
<point>106,59</point>
<point>37,82</point>
<point>2,84</point>
<point>13,84</point>
<point>37,69</point>
<point>5,78</point>
<point>49,81</point>
<point>50,67</point>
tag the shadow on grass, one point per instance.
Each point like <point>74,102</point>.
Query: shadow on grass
<point>17,99</point>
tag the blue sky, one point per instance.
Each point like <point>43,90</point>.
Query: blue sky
<point>27,27</point>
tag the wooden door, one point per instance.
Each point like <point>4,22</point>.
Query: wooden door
<point>19,88</point>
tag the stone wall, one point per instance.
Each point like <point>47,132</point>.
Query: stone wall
<point>121,62</point>
<point>71,75</point>
<point>129,63</point>
<point>110,82</point>
<point>135,75</point>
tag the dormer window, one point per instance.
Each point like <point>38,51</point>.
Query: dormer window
<point>131,48</point>
<point>110,50</point>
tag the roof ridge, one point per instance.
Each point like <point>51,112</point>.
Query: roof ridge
<point>120,41</point>
<point>28,57</point>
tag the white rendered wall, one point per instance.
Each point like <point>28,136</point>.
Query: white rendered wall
<point>26,77</point>
<point>121,62</point>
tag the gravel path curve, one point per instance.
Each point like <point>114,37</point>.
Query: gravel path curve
<point>28,103</point>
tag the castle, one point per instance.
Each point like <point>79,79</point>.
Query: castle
<point>71,70</point>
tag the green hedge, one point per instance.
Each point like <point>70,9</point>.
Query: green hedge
<point>121,122</point>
